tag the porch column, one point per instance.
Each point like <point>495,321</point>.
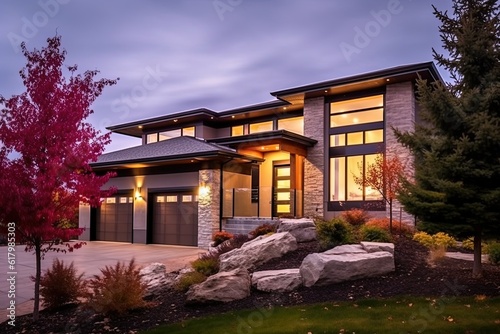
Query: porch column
<point>314,165</point>
<point>208,205</point>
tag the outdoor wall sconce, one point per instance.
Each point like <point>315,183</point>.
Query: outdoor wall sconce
<point>138,193</point>
<point>204,190</point>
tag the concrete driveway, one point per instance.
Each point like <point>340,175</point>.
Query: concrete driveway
<point>89,259</point>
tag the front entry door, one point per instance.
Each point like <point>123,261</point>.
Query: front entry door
<point>282,203</point>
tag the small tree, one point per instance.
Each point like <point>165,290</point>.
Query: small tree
<point>46,150</point>
<point>384,175</point>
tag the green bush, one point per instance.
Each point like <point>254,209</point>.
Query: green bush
<point>61,284</point>
<point>118,289</point>
<point>189,279</point>
<point>333,233</point>
<point>494,252</point>
<point>355,217</point>
<point>207,264</point>
<point>220,237</point>
<point>374,233</point>
<point>263,230</point>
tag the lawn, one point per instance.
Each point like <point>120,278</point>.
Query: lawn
<point>395,315</point>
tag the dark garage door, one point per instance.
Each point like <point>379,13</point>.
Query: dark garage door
<point>175,219</point>
<point>115,218</point>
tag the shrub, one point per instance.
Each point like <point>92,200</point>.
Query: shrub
<point>333,233</point>
<point>235,242</point>
<point>263,230</point>
<point>469,245</point>
<point>220,237</point>
<point>494,252</point>
<point>439,239</point>
<point>397,226</point>
<point>207,264</point>
<point>61,284</point>
<point>117,290</point>
<point>355,217</point>
<point>374,233</point>
<point>189,279</point>
<point>436,253</point>
<point>424,239</point>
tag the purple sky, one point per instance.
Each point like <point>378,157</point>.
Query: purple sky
<point>174,55</point>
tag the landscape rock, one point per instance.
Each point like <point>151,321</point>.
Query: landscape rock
<point>258,251</point>
<point>325,269</point>
<point>304,229</point>
<point>372,247</point>
<point>222,287</point>
<point>277,280</point>
<point>155,278</point>
<point>346,249</point>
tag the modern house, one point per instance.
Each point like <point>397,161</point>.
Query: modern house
<point>199,170</point>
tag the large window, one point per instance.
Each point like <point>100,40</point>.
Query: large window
<point>164,135</point>
<point>261,127</point>
<point>292,124</point>
<point>356,139</point>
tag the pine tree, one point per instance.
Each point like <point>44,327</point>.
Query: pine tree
<point>457,146</point>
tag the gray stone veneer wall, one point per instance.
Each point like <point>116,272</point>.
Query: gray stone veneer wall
<point>208,206</point>
<point>399,114</point>
<point>315,177</point>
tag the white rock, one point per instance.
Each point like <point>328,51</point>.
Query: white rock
<point>325,269</point>
<point>258,251</point>
<point>277,280</point>
<point>221,287</point>
<point>303,229</point>
<point>154,276</point>
<point>346,249</point>
<point>372,247</point>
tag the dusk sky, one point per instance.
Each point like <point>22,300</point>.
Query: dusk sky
<point>174,55</point>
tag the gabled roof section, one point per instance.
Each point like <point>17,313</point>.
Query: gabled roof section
<point>177,149</point>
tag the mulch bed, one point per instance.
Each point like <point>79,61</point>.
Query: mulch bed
<point>413,277</point>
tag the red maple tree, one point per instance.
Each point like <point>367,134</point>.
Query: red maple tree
<point>46,149</point>
<point>385,176</point>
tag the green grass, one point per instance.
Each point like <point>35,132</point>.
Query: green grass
<point>395,315</point>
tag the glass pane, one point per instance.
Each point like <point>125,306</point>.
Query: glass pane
<point>151,138</point>
<point>337,140</point>
<point>237,130</point>
<point>283,171</point>
<point>283,196</point>
<point>374,136</point>
<point>294,124</point>
<point>110,200</point>
<point>337,179</point>
<point>171,199</point>
<point>187,198</point>
<point>123,200</point>
<point>357,104</point>
<point>283,184</point>
<point>131,200</point>
<point>261,127</point>
<point>371,194</point>
<point>355,138</point>
<point>354,169</point>
<point>169,134</point>
<point>283,208</point>
<point>188,131</point>
<point>362,117</point>
<point>160,199</point>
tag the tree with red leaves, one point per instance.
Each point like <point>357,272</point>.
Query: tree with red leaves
<point>46,147</point>
<point>384,175</point>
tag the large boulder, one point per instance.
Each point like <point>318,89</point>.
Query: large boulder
<point>222,287</point>
<point>372,247</point>
<point>346,249</point>
<point>277,280</point>
<point>325,269</point>
<point>154,276</point>
<point>303,229</point>
<point>258,251</point>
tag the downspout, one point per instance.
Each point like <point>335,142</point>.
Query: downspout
<point>221,192</point>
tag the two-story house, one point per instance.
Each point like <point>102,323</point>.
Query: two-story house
<point>294,156</point>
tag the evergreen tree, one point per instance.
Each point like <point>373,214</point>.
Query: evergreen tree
<point>457,146</point>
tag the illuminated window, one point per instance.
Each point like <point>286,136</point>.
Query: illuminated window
<point>355,118</point>
<point>187,198</point>
<point>152,138</point>
<point>355,138</point>
<point>357,104</point>
<point>189,131</point>
<point>374,136</point>
<point>169,134</point>
<point>293,124</point>
<point>337,140</point>
<point>237,131</point>
<point>357,111</point>
<point>171,199</point>
<point>261,127</point>
<point>110,200</point>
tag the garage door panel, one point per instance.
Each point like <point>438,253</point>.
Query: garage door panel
<point>115,219</point>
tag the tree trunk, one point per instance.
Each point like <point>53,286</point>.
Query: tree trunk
<point>38,256</point>
<point>390,216</point>
<point>477,269</point>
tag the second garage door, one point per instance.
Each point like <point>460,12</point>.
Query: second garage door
<point>175,219</point>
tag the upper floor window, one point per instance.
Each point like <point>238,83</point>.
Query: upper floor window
<point>357,111</point>
<point>164,135</point>
<point>261,127</point>
<point>293,124</point>
<point>237,130</point>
